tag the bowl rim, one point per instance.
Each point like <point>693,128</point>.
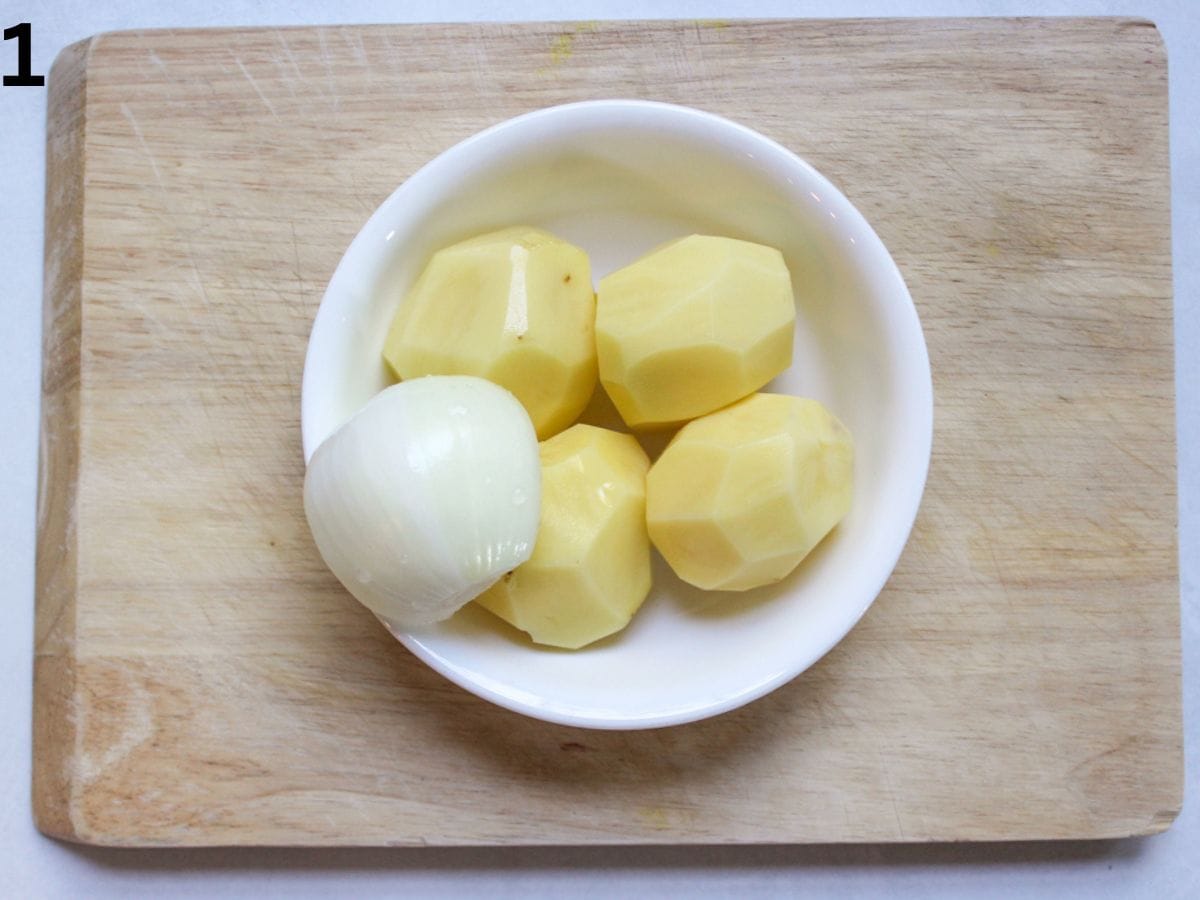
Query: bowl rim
<point>363,249</point>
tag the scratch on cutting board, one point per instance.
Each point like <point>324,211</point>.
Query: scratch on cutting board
<point>1094,758</point>
<point>296,252</point>
<point>137,131</point>
<point>295,75</point>
<point>201,290</point>
<point>360,51</point>
<point>257,89</point>
<point>333,91</point>
<point>891,791</point>
<point>1120,445</point>
<point>355,43</point>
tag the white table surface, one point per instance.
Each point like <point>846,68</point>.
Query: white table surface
<point>32,866</point>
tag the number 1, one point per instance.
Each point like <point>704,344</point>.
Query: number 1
<point>22,79</point>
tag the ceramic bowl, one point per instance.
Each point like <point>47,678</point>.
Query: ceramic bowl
<point>617,178</point>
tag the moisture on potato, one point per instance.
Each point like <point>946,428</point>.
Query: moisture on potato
<point>693,326</point>
<point>590,568</point>
<point>514,306</point>
<point>741,496</point>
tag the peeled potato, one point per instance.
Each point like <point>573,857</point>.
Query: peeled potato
<point>590,569</point>
<point>515,307</point>
<point>741,496</point>
<point>692,327</point>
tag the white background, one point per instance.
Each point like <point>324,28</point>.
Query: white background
<point>32,866</point>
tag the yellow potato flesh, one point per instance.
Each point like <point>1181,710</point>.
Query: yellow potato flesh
<point>741,496</point>
<point>692,327</point>
<point>515,307</point>
<point>590,568</point>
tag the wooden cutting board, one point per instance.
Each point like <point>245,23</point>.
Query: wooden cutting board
<point>201,679</point>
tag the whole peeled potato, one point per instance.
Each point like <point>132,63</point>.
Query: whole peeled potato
<point>513,306</point>
<point>590,568</point>
<point>693,326</point>
<point>741,496</point>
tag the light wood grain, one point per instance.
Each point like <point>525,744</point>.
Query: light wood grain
<point>200,677</point>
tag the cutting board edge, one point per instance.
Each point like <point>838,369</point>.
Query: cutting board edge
<point>93,42</point>
<point>80,835</point>
<point>55,770</point>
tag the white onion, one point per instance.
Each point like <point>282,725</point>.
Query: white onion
<point>426,496</point>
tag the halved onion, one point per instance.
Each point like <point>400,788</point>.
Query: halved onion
<point>426,496</point>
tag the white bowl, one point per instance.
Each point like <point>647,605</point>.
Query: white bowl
<point>618,177</point>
